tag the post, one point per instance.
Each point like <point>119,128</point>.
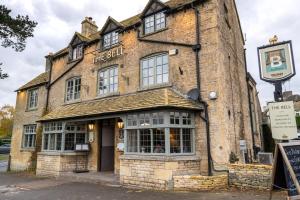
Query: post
<point>278,97</point>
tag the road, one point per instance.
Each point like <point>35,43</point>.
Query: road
<point>20,187</point>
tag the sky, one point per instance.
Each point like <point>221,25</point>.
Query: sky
<point>59,19</point>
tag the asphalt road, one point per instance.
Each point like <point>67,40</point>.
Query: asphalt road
<point>20,187</point>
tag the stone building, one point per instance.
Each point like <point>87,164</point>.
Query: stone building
<point>156,95</point>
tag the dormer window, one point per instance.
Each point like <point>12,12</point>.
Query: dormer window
<point>77,52</point>
<point>154,22</point>
<point>110,39</point>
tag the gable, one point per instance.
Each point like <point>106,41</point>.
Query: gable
<point>153,6</point>
<point>110,25</point>
<point>77,39</point>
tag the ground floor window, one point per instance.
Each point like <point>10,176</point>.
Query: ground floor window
<point>174,134</point>
<point>29,136</point>
<point>57,137</point>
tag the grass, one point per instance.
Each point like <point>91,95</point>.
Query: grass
<point>3,157</point>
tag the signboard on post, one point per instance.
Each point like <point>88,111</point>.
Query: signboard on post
<point>276,62</point>
<point>283,120</point>
<point>286,169</point>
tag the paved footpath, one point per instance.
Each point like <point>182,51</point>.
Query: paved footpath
<point>21,187</point>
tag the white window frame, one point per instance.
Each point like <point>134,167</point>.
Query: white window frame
<point>77,52</point>
<point>154,23</point>
<point>166,126</point>
<point>29,131</point>
<point>156,73</point>
<point>59,128</point>
<point>109,78</point>
<point>73,92</point>
<point>110,39</point>
<point>32,99</point>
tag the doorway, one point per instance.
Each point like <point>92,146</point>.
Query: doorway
<point>107,145</point>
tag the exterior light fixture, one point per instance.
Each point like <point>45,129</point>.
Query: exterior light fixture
<point>91,126</point>
<point>213,95</point>
<point>120,123</point>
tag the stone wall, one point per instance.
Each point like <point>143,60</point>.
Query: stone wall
<point>155,174</point>
<point>200,183</point>
<point>55,164</point>
<point>250,176</point>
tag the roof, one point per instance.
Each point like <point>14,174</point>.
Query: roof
<point>160,98</point>
<point>39,80</point>
<point>130,22</point>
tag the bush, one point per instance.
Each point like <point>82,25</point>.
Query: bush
<point>233,158</point>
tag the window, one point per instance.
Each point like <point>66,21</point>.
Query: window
<point>152,133</point>
<point>75,134</point>
<point>155,22</point>
<point>52,136</point>
<point>155,70</point>
<point>73,89</point>
<point>108,80</point>
<point>32,101</point>
<point>110,39</point>
<point>77,52</point>
<point>54,132</point>
<point>29,136</point>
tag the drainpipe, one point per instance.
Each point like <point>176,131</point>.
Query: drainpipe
<point>197,49</point>
<point>48,86</point>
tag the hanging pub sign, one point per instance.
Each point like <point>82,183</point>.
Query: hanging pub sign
<point>286,169</point>
<point>276,62</point>
<point>108,55</point>
<point>283,121</point>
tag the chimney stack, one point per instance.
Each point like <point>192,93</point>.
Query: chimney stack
<point>88,27</point>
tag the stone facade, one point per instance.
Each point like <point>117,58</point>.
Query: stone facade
<point>200,183</point>
<point>250,176</point>
<point>222,70</point>
<point>152,173</point>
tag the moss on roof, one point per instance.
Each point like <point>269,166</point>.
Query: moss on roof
<point>160,98</point>
<point>129,22</point>
<point>39,80</point>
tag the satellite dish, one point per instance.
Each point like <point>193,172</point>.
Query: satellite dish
<point>193,94</point>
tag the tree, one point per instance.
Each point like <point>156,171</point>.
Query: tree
<point>7,113</point>
<point>14,31</point>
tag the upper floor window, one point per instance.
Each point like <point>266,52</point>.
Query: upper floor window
<point>29,134</point>
<point>108,80</point>
<point>110,39</point>
<point>77,52</point>
<point>155,22</point>
<point>73,89</point>
<point>155,70</point>
<point>32,100</point>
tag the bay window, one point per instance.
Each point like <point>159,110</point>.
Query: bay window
<point>155,70</point>
<point>160,133</point>
<point>63,137</point>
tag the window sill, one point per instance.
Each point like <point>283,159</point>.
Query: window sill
<point>72,102</point>
<point>155,87</point>
<point>74,60</point>
<point>108,95</point>
<point>31,110</point>
<point>149,34</point>
<point>59,153</point>
<point>27,149</point>
<point>181,157</point>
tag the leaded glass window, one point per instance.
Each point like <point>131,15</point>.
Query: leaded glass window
<point>29,136</point>
<point>154,23</point>
<point>108,80</point>
<point>73,89</point>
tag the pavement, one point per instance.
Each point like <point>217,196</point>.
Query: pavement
<point>28,187</point>
<point>3,166</point>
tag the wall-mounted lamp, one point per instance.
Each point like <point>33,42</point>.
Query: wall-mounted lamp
<point>91,126</point>
<point>213,95</point>
<point>120,123</point>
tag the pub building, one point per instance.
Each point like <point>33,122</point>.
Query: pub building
<point>163,93</point>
